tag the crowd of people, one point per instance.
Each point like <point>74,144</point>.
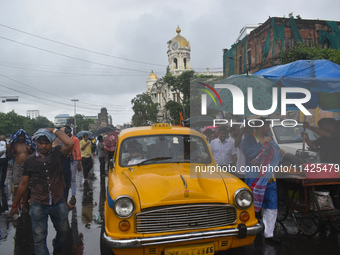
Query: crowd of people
<point>255,148</point>
<point>44,169</point>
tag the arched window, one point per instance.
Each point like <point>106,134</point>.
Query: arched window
<point>175,63</point>
<point>185,63</point>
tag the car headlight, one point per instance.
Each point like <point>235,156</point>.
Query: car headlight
<point>124,206</point>
<point>243,198</point>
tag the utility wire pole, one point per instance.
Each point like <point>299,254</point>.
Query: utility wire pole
<point>75,122</point>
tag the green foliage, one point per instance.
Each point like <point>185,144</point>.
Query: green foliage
<point>302,51</point>
<point>181,84</point>
<point>174,108</point>
<point>82,122</point>
<point>145,110</point>
<point>202,76</point>
<point>10,122</point>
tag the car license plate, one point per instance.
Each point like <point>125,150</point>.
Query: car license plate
<point>205,249</point>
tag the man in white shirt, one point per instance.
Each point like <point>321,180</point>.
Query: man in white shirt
<point>222,150</point>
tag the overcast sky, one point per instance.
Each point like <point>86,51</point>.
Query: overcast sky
<point>101,52</point>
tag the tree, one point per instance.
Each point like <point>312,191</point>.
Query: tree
<point>174,108</point>
<point>181,84</point>
<point>11,122</point>
<point>82,122</point>
<point>302,51</point>
<point>145,110</point>
<point>41,122</point>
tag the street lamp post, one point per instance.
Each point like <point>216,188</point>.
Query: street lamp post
<point>10,99</point>
<point>75,122</point>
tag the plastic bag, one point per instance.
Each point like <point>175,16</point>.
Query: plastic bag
<point>324,200</point>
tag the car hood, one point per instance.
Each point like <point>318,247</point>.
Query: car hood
<point>291,147</point>
<point>166,184</point>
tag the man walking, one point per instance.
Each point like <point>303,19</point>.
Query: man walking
<point>223,151</point>
<point>101,155</point>
<point>86,153</point>
<point>44,170</point>
<point>20,147</point>
<point>261,151</point>
<point>75,164</point>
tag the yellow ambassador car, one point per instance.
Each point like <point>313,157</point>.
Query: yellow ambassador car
<point>160,200</point>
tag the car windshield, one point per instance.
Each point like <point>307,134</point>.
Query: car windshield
<point>291,134</point>
<point>157,149</point>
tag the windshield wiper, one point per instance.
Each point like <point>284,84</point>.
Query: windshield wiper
<point>153,159</point>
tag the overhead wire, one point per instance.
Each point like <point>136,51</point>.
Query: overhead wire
<point>67,56</point>
<point>79,48</point>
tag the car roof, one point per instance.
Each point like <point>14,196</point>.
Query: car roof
<point>157,129</point>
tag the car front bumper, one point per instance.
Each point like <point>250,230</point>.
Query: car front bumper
<point>241,232</point>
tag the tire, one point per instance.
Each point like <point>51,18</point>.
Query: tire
<point>307,222</point>
<point>104,250</point>
<point>282,203</point>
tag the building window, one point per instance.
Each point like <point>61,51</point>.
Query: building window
<point>308,42</point>
<point>289,43</point>
<point>326,45</point>
<point>249,61</point>
<point>175,63</point>
<point>185,63</point>
<point>240,65</point>
<point>176,97</point>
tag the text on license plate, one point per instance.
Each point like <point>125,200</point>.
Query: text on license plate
<point>205,249</point>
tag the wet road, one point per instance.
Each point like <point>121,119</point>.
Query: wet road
<point>85,225</point>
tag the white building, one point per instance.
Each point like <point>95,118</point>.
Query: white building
<point>178,61</point>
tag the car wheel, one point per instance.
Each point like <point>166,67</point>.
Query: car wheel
<point>104,250</point>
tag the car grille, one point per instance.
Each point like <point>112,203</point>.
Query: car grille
<point>184,217</point>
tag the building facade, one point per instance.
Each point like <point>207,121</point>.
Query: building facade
<point>265,45</point>
<point>178,61</point>
<point>32,114</point>
<point>103,119</point>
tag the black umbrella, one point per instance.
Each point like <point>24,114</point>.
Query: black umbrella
<point>104,130</point>
<point>81,134</point>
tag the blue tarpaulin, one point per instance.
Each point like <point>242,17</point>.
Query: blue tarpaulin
<point>320,77</point>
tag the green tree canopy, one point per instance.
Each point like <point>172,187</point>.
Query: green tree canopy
<point>181,84</point>
<point>82,122</point>
<point>145,110</point>
<point>302,51</point>
<point>174,108</point>
<point>11,122</point>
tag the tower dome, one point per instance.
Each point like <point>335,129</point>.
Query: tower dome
<point>153,76</point>
<point>178,54</point>
<point>180,39</point>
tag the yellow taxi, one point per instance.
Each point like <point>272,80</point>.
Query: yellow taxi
<point>164,198</point>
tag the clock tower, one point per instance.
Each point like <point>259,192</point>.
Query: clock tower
<point>178,54</point>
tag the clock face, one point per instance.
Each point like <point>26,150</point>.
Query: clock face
<point>174,46</point>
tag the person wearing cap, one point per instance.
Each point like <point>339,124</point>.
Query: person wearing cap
<point>44,170</point>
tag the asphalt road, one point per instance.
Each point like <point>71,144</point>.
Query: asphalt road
<point>85,225</point>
